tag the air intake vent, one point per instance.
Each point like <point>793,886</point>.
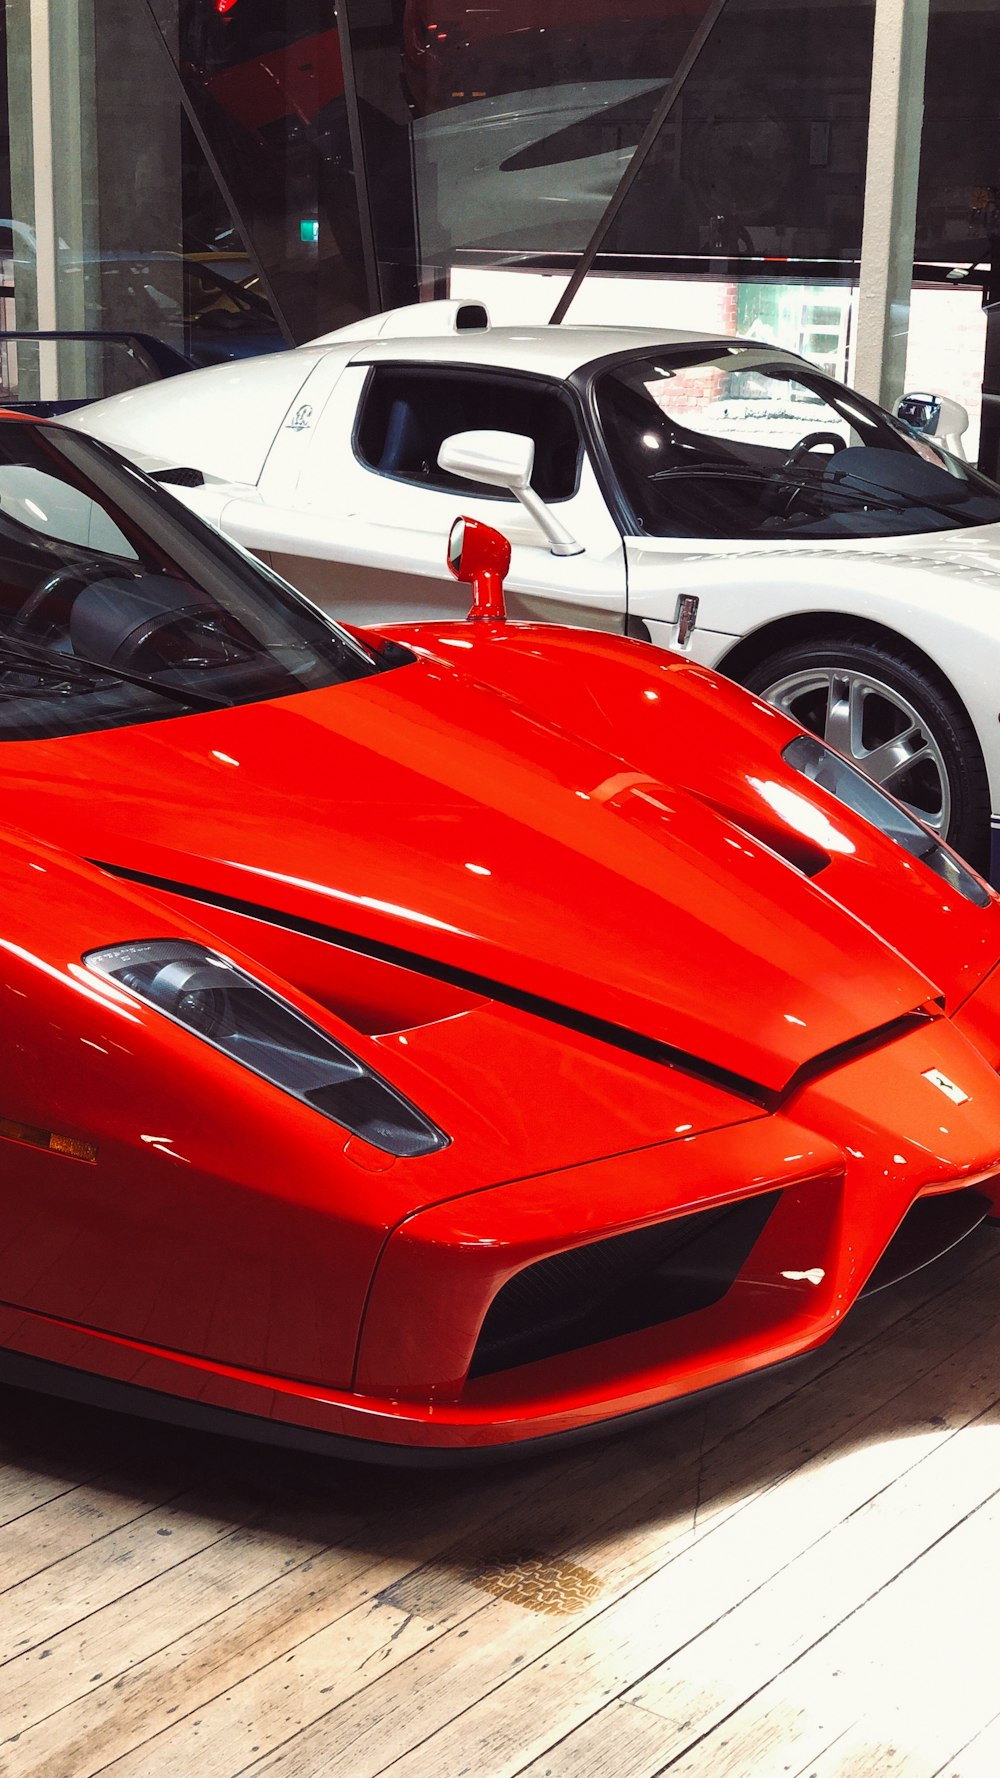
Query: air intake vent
<point>181,478</point>
<point>801,853</point>
<point>471,317</point>
<point>619,1286</point>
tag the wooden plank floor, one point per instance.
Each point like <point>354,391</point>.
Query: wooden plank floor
<point>799,1579</point>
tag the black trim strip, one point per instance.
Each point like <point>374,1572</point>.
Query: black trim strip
<point>749,268</point>
<point>828,1060</point>
<point>604,1030</point>
<point>19,1370</point>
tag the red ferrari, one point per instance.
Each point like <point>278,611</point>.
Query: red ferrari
<point>444,1038</point>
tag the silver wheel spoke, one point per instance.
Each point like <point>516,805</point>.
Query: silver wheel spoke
<point>842,715</point>
<point>934,822</point>
<point>886,762</point>
<point>842,704</point>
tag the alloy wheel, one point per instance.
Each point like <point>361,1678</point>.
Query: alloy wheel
<point>876,728</point>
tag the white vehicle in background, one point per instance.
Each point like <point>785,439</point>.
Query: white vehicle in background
<point>717,496</point>
<point>536,165</point>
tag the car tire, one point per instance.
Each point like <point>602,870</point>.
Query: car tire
<point>886,709</point>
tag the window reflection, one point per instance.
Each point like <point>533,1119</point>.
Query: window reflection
<point>523,117</point>
<point>765,154</point>
<point>744,442</point>
<point>266,80</point>
<point>145,272</point>
<point>518,119</point>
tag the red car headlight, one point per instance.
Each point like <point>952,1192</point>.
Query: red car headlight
<point>227,1008</point>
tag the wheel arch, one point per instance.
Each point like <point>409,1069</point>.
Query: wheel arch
<point>812,626</point>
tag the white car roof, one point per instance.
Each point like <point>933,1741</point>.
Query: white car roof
<point>557,351</point>
<point>223,420</point>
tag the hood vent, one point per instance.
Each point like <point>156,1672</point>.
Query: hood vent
<point>803,854</point>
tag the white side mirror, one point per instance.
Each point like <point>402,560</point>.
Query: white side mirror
<point>500,459</point>
<point>936,417</point>
<point>505,460</point>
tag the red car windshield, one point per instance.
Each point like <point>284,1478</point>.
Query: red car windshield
<point>119,606</point>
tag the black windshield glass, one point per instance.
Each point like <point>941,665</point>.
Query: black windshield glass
<point>723,441</point>
<point>118,606</point>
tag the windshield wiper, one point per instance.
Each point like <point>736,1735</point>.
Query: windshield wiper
<point>879,489</point>
<point>864,493</point>
<point>61,666</point>
<point>765,478</point>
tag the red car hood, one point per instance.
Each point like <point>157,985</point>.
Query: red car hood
<point>423,810</point>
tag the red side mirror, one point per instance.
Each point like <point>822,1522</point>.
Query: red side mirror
<point>480,556</point>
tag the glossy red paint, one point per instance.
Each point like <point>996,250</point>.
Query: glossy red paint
<point>480,557</point>
<point>494,810</point>
<point>563,893</point>
<point>295,80</point>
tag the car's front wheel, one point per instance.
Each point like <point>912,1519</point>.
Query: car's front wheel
<point>895,720</point>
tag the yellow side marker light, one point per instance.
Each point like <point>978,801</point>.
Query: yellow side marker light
<point>67,1145</point>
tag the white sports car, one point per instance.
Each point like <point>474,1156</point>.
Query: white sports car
<point>717,496</point>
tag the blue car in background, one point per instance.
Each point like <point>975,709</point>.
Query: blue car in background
<point>171,312</point>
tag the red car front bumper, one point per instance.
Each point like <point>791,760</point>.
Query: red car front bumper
<point>816,1194</point>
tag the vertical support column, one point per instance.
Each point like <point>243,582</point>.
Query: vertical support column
<point>358,158</point>
<point>96,182</point>
<point>53,181</point>
<point>70,234</point>
<point>22,311</point>
<point>894,131</point>
<point>44,217</point>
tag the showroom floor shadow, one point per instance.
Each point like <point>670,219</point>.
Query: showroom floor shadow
<point>201,1604</point>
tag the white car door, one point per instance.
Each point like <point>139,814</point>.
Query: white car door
<point>699,597</point>
<point>357,515</point>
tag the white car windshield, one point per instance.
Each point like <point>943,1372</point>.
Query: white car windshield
<point>726,441</point>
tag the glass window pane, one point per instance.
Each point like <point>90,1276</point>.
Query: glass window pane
<point>945,348</point>
<point>146,272</point>
<point>57,508</point>
<point>764,154</point>
<point>266,81</point>
<point>520,118</point>
<point>523,117</point>
<point>958,216</point>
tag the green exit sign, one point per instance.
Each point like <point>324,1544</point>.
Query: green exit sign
<point>309,231</point>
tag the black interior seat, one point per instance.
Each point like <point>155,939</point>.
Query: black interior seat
<point>408,414</point>
<point>407,443</point>
<point>113,619</point>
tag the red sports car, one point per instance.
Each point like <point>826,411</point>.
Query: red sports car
<point>442,1038</point>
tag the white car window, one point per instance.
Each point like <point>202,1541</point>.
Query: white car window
<point>408,411</point>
